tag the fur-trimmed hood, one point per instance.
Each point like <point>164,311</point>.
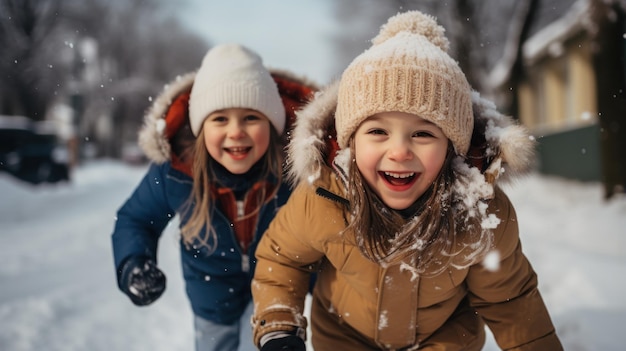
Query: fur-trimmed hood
<point>500,148</point>
<point>166,133</point>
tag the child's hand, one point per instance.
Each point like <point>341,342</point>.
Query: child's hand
<point>287,343</point>
<point>142,281</point>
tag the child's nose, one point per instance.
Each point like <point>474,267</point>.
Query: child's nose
<point>236,130</point>
<point>400,151</point>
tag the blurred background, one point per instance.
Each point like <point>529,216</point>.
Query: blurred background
<point>84,72</point>
<point>77,76</point>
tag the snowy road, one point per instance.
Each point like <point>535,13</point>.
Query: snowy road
<point>58,289</point>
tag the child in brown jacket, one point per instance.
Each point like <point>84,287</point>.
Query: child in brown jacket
<point>414,244</point>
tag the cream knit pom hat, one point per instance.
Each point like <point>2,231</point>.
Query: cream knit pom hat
<point>233,76</point>
<point>407,69</point>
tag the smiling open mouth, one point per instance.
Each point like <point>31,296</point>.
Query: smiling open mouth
<point>398,179</point>
<point>238,151</point>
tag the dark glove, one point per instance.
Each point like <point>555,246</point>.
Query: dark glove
<point>287,343</point>
<point>141,280</point>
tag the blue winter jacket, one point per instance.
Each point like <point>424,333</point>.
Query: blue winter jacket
<point>217,284</point>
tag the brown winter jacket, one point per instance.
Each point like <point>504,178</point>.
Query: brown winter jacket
<point>359,305</point>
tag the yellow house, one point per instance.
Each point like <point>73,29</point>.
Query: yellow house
<point>571,93</point>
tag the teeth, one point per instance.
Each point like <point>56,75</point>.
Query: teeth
<point>399,175</point>
<point>238,149</point>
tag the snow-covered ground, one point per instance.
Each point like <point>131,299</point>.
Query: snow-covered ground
<point>58,288</point>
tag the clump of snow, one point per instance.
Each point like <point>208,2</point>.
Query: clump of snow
<point>491,262</point>
<point>470,188</point>
<point>383,320</point>
<point>411,268</point>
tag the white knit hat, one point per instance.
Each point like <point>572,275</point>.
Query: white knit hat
<point>233,76</point>
<point>407,69</point>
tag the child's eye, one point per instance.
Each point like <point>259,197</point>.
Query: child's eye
<point>423,134</point>
<point>251,118</point>
<point>219,118</point>
<point>376,131</point>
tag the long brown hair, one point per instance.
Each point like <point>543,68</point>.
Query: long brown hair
<point>199,207</point>
<point>426,239</point>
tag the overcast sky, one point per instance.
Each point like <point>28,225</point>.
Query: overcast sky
<point>291,35</point>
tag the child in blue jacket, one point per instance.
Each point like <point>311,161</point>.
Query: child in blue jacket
<point>215,139</point>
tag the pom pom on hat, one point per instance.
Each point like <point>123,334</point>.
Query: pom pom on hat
<point>416,23</point>
<point>407,69</point>
<point>233,76</point>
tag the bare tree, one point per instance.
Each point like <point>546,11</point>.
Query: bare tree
<point>104,58</point>
<point>140,48</point>
<point>611,19</point>
<point>29,74</point>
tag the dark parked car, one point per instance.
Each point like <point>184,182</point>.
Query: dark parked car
<point>30,152</point>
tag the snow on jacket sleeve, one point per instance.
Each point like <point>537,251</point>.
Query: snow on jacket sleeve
<point>285,257</point>
<point>508,298</point>
<point>142,218</point>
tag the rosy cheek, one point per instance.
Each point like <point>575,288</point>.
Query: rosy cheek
<point>366,167</point>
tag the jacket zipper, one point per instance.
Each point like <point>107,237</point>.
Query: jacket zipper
<point>331,196</point>
<point>245,262</point>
